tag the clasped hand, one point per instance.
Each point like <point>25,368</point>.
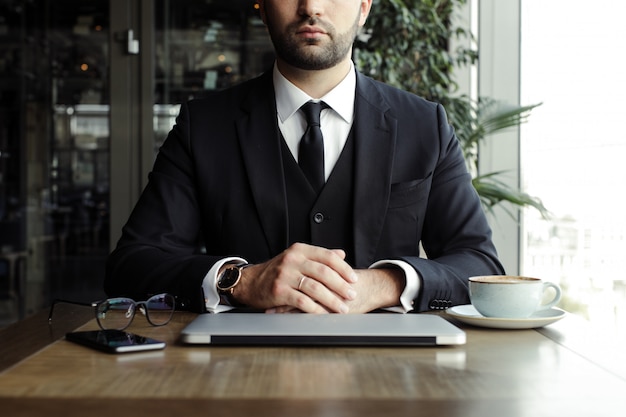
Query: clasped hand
<point>312,279</point>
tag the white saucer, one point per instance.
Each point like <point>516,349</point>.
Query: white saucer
<point>468,314</point>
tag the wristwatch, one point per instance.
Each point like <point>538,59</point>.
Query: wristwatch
<point>228,280</point>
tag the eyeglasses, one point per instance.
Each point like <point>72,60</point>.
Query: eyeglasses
<point>118,313</point>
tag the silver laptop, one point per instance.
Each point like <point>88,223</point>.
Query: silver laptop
<point>374,329</point>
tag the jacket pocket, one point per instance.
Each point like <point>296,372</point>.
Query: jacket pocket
<point>404,219</point>
<point>407,193</point>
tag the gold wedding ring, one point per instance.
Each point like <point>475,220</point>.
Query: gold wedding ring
<point>301,281</point>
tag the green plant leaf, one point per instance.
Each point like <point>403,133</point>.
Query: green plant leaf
<point>493,192</point>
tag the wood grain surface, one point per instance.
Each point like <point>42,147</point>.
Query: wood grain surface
<point>498,372</point>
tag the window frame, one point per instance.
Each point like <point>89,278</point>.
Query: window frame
<point>497,27</point>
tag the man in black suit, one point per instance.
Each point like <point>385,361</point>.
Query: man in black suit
<point>228,176</point>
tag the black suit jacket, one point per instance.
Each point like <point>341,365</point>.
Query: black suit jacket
<point>218,183</point>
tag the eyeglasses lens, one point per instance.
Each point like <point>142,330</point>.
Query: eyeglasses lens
<point>115,313</point>
<point>160,309</point>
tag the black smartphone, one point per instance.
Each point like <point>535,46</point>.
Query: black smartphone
<point>115,341</point>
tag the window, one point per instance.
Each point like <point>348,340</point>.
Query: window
<point>573,153</point>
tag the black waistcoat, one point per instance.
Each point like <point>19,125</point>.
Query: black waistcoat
<point>326,219</point>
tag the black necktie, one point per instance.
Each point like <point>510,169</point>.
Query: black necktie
<point>311,149</point>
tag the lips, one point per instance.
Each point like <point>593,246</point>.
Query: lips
<point>310,32</point>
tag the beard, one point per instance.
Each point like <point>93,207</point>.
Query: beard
<point>290,48</point>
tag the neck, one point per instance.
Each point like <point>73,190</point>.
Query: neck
<point>315,83</point>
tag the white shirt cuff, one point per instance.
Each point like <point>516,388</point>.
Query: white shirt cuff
<point>209,287</point>
<point>411,288</point>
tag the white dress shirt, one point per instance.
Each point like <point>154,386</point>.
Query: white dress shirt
<point>336,122</point>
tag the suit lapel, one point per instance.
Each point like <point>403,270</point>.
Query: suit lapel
<point>375,134</point>
<point>258,135</point>
<point>374,131</point>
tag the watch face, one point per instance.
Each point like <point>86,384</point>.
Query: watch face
<point>228,279</point>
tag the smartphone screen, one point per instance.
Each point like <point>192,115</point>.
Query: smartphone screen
<point>114,341</point>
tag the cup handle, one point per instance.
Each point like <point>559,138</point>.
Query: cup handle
<point>555,300</point>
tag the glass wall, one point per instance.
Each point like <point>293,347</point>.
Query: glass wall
<point>572,153</point>
<point>53,145</point>
<point>56,123</point>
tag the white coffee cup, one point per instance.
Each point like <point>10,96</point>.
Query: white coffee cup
<point>508,296</point>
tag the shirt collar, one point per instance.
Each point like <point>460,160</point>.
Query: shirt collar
<point>290,98</point>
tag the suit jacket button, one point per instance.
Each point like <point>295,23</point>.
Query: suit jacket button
<point>318,218</point>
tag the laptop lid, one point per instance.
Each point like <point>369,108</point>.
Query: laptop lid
<point>374,329</point>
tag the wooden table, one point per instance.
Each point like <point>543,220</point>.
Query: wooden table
<point>497,373</point>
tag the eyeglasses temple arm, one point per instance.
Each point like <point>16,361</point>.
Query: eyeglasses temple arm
<point>55,302</point>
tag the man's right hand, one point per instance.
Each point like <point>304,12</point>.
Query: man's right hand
<point>306,278</point>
